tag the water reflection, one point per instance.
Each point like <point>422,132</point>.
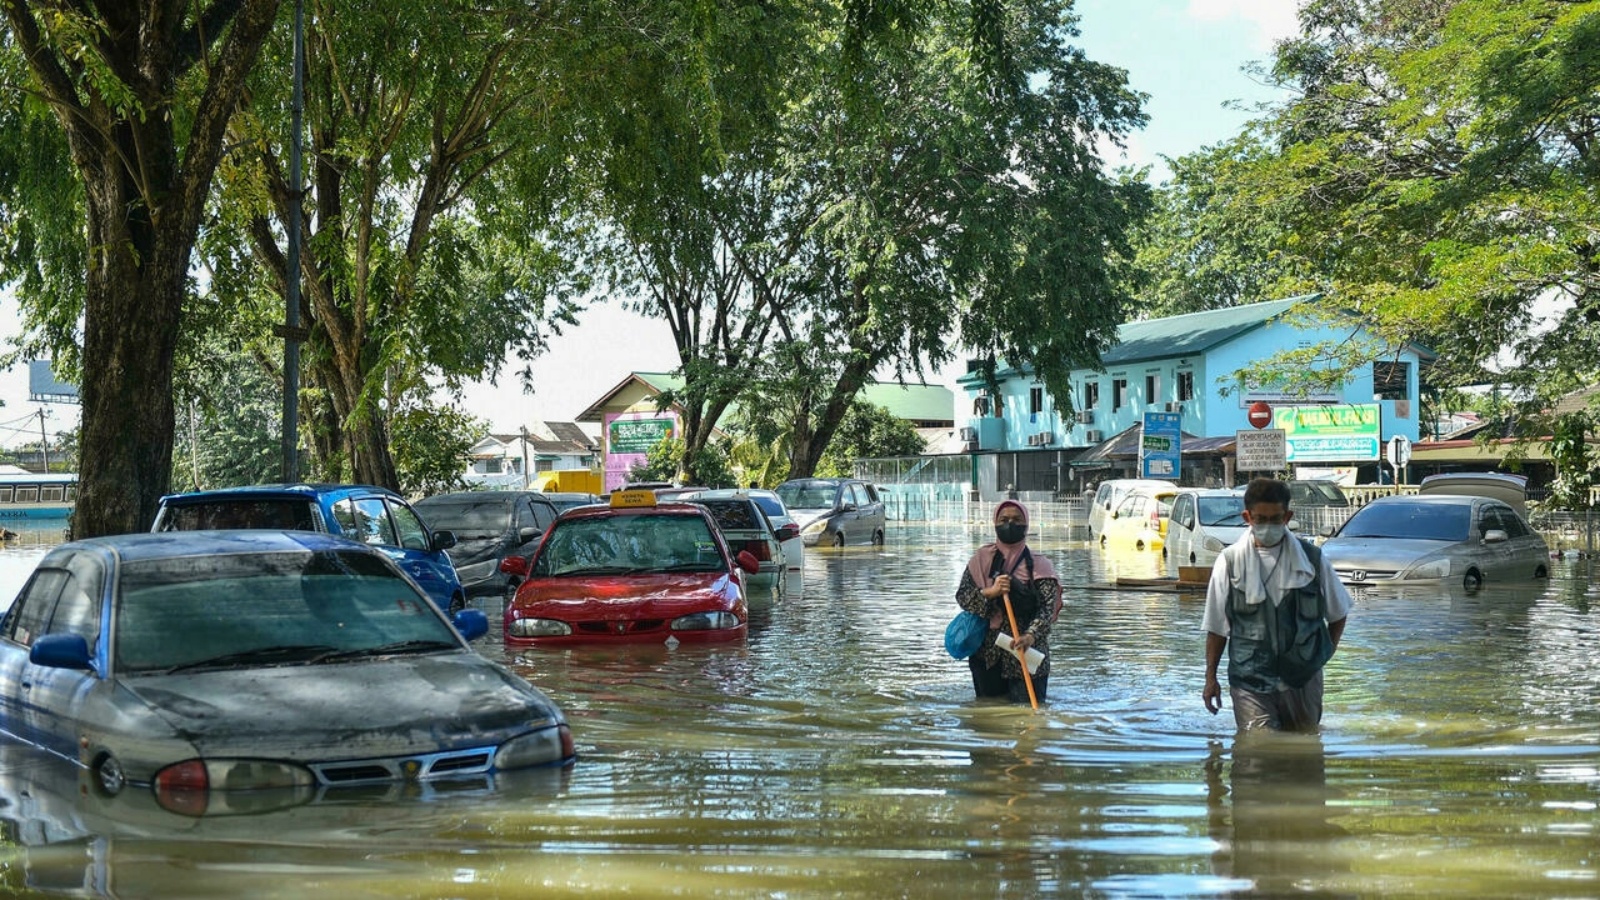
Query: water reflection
<point>838,752</point>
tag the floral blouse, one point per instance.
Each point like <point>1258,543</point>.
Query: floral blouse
<point>971,598</point>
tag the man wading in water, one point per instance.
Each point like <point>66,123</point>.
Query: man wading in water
<point>1275,604</point>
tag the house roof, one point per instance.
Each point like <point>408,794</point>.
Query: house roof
<point>1193,333</point>
<point>912,401</point>
<point>1125,445</point>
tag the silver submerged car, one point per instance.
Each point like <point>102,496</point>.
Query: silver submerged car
<point>206,661</point>
<point>1464,540</point>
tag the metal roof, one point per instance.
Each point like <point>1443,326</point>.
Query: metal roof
<point>1193,333</point>
<point>913,401</point>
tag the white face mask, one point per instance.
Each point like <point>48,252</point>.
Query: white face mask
<point>1268,534</point>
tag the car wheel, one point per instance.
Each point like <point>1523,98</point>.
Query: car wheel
<point>1138,545</point>
<point>1191,559</point>
<point>1163,554</point>
<point>877,537</point>
<point>109,773</point>
<point>1541,572</point>
<point>1102,542</point>
<point>838,539</point>
<point>1472,580</point>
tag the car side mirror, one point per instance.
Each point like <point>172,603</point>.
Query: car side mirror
<point>1325,531</point>
<point>788,532</point>
<point>847,506</point>
<point>748,562</point>
<point>472,623</point>
<point>527,534</point>
<point>514,565</point>
<point>1495,536</point>
<point>443,540</point>
<point>61,651</point>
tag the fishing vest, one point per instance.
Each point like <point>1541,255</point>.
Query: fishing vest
<point>1254,642</point>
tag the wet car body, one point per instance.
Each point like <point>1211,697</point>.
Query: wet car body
<point>1140,521</point>
<point>745,526</point>
<point>372,515</point>
<point>1460,539</point>
<point>489,526</point>
<point>834,512</point>
<point>256,660</point>
<point>1203,521</point>
<point>632,572</point>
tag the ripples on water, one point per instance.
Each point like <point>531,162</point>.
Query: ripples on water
<point>840,753</point>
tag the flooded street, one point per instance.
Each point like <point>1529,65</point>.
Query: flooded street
<point>840,753</point>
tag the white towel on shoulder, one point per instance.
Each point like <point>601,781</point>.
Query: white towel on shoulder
<point>1292,570</point>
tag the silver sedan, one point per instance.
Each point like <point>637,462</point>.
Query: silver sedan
<point>202,661</point>
<point>1463,540</point>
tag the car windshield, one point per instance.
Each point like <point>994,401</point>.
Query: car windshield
<point>808,495</point>
<point>770,505</point>
<point>288,513</point>
<point>1222,511</point>
<point>487,517</point>
<point>735,515</point>
<point>594,545</point>
<point>1416,521</point>
<point>246,609</point>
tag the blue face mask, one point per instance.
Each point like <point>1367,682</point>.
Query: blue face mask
<point>1268,534</point>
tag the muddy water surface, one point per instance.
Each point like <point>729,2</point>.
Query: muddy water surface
<point>839,753</point>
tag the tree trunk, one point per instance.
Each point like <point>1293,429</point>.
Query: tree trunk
<point>807,455</point>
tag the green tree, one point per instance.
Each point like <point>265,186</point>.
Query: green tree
<point>432,445</point>
<point>433,175</point>
<point>1444,159</point>
<point>143,93</point>
<point>869,432</point>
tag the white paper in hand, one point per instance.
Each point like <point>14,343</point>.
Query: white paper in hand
<point>1033,657</point>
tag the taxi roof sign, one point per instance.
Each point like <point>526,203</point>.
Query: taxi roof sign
<point>633,499</point>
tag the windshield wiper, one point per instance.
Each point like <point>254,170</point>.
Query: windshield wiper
<point>260,656</point>
<point>598,570</point>
<point>418,645</point>
<point>687,567</point>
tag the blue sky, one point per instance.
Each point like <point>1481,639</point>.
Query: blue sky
<point>1187,55</point>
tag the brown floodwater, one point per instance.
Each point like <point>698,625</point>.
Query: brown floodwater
<point>840,753</point>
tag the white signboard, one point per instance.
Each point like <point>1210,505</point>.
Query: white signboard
<point>1399,451</point>
<point>1261,450</point>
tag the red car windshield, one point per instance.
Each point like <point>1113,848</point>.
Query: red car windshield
<point>619,544</point>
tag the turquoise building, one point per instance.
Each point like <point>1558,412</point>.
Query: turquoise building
<point>1185,365</point>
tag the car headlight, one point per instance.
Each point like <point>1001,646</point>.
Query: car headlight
<point>705,621</point>
<point>1214,545</point>
<point>536,748</point>
<point>1438,568</point>
<point>816,527</point>
<point>532,628</point>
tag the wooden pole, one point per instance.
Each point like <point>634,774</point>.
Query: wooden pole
<point>1022,658</point>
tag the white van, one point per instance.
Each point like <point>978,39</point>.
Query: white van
<point>1108,496</point>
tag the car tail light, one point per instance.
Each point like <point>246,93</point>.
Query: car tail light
<point>759,550</point>
<point>181,788</point>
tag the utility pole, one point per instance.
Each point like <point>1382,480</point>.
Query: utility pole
<point>525,476</point>
<point>44,443</point>
<point>293,332</point>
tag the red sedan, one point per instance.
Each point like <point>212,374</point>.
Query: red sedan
<point>632,572</point>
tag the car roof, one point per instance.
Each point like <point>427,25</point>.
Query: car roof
<point>598,511</point>
<point>1434,500</point>
<point>1212,492</point>
<point>308,491</point>
<point>171,544</point>
<point>465,497</point>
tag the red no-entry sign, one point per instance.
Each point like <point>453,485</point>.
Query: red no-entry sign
<point>1260,414</point>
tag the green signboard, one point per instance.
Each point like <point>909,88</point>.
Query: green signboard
<point>638,435</point>
<point>1331,433</point>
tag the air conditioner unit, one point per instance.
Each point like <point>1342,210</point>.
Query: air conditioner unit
<point>1094,435</point>
<point>1047,438</point>
<point>1174,406</point>
<point>1086,416</point>
<point>969,434</point>
<point>1033,439</point>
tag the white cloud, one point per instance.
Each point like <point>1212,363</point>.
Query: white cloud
<point>1273,20</point>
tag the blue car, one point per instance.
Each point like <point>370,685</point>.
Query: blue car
<point>257,660</point>
<point>372,515</point>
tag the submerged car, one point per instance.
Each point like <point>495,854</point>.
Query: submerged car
<point>372,515</point>
<point>245,660</point>
<point>745,526</point>
<point>1203,521</point>
<point>1108,496</point>
<point>489,526</point>
<point>1465,540</point>
<point>835,511</point>
<point>634,571</point>
<point>1139,522</point>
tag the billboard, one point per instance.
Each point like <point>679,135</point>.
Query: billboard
<point>629,437</point>
<point>1161,445</point>
<point>1346,432</point>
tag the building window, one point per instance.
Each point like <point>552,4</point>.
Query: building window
<point>1119,393</point>
<point>1091,394</point>
<point>1185,386</point>
<point>1389,380</point>
<point>544,465</point>
<point>1035,400</point>
<point>1152,388</point>
<point>492,466</point>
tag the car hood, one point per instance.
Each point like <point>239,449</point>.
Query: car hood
<point>624,598</point>
<point>1380,553</point>
<point>347,710</point>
